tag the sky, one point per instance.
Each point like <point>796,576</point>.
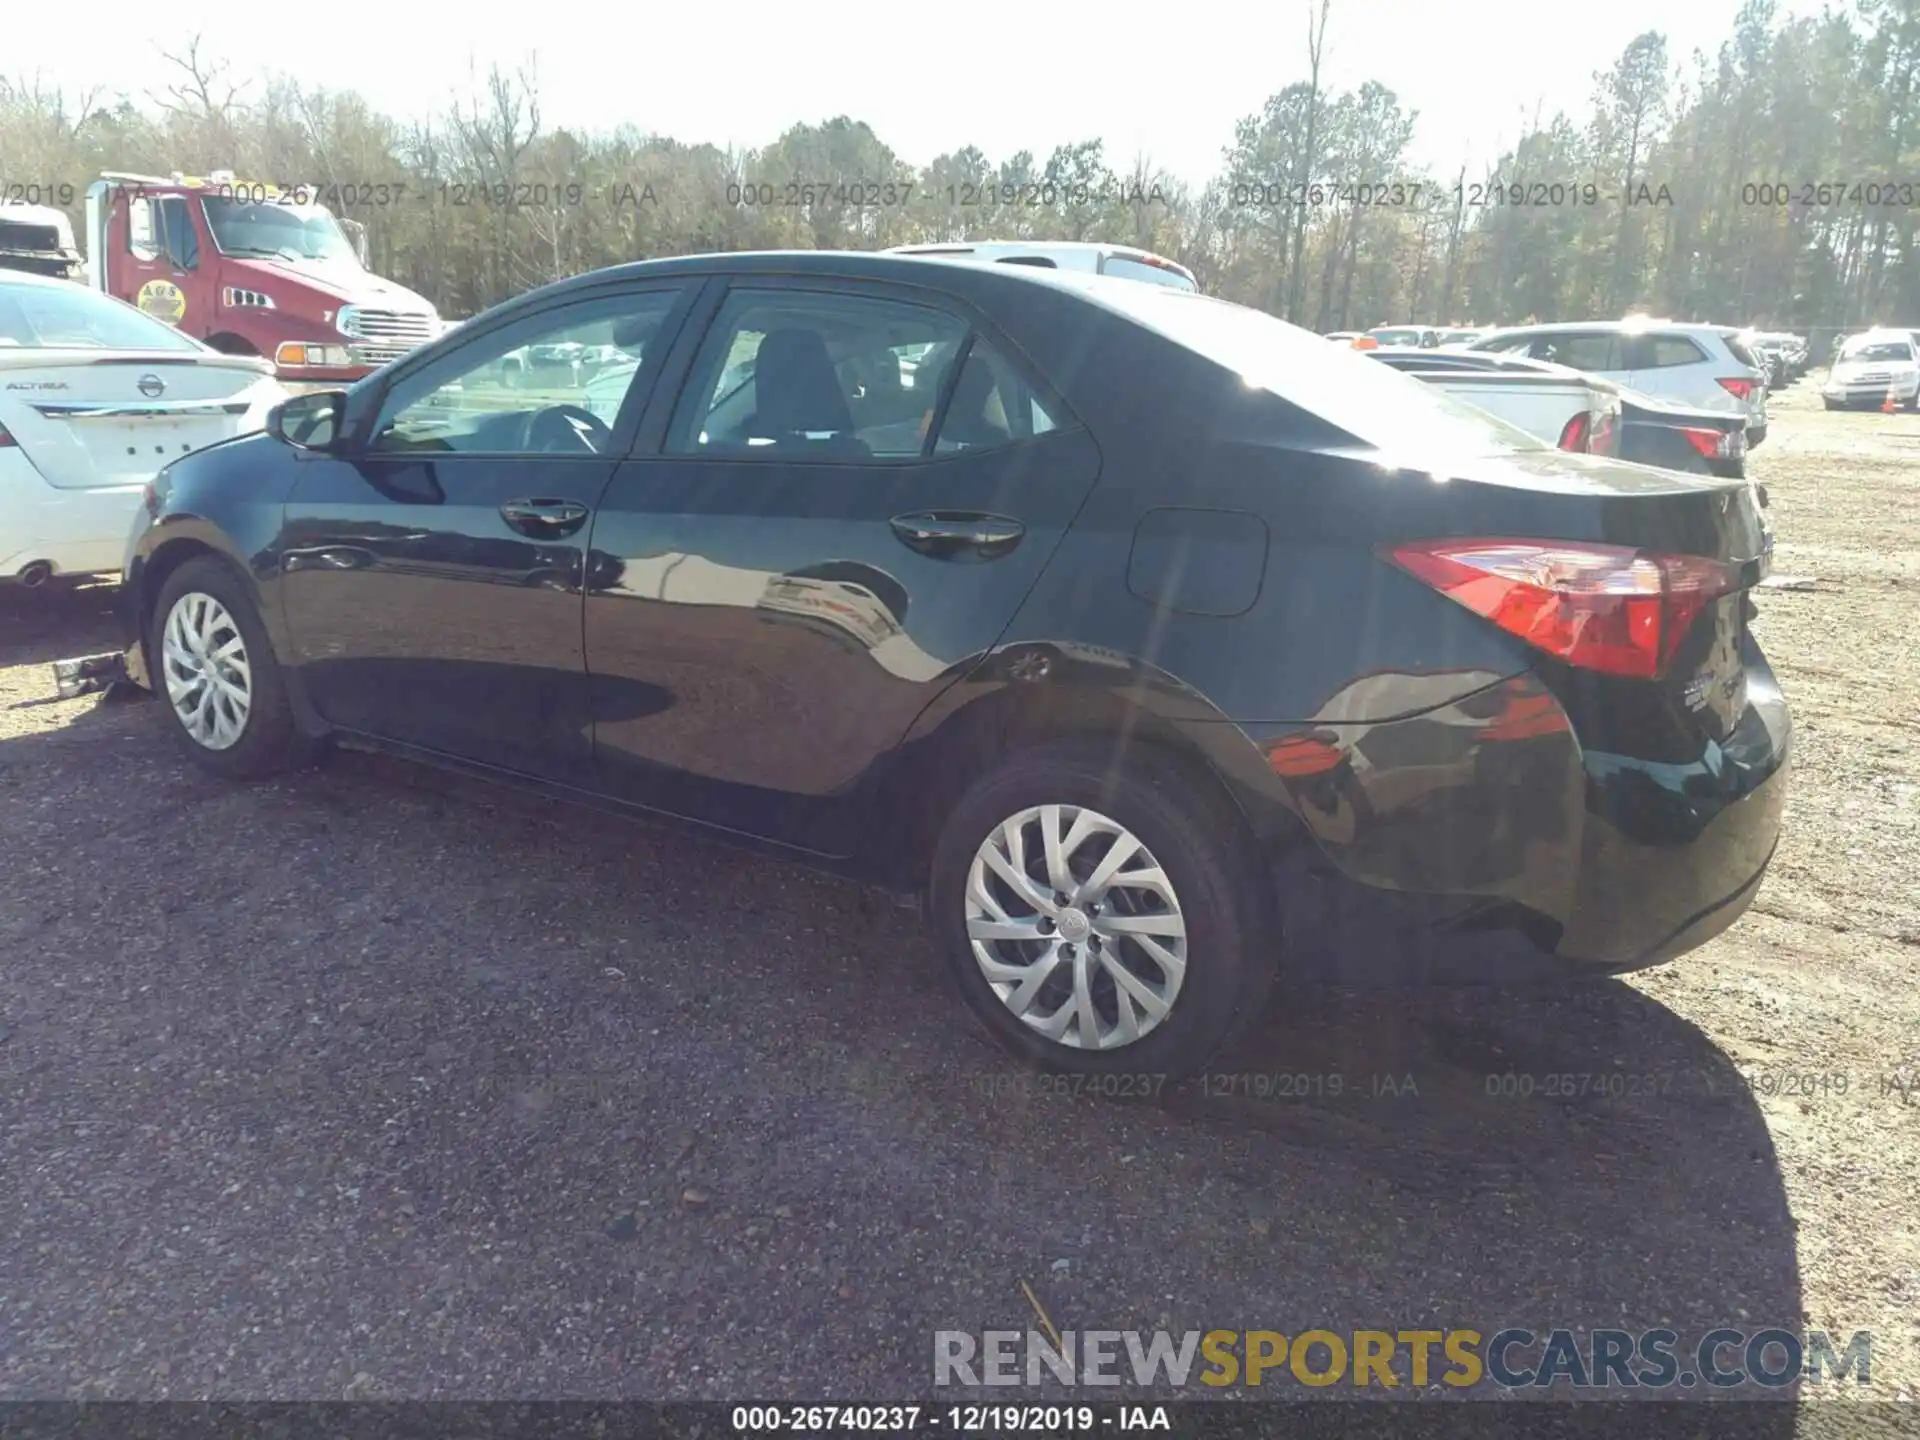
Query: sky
<point>1163,82</point>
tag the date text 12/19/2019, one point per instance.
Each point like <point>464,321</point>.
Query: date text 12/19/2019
<point>959,1419</point>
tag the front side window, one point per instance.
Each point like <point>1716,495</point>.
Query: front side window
<point>550,384</point>
<point>72,317</point>
<point>1578,350</point>
<point>182,244</point>
<point>794,374</point>
<point>1507,344</point>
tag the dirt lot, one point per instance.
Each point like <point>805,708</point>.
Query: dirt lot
<point>375,1083</point>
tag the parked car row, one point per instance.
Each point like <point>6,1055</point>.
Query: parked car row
<point>1581,412</point>
<point>1112,621</point>
<point>1787,357</point>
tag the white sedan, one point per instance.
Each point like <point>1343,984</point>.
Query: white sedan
<point>94,398</point>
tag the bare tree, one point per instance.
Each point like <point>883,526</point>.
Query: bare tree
<point>1310,157</point>
<point>203,92</point>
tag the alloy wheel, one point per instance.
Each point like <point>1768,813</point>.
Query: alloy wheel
<point>1076,927</point>
<point>204,661</point>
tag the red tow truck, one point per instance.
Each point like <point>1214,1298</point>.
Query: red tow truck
<point>252,270</point>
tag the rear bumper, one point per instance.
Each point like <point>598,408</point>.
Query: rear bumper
<point>1756,435</point>
<point>1483,843</point>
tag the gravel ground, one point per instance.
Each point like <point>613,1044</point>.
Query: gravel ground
<point>376,1083</point>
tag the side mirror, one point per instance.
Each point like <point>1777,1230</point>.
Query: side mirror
<point>309,422</point>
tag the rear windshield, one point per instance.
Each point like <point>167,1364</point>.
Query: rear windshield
<point>1396,337</point>
<point>1374,403</point>
<point>72,317</point>
<point>1877,350</point>
<point>1128,269</point>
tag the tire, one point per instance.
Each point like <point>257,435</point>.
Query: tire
<point>1217,892</point>
<point>269,740</point>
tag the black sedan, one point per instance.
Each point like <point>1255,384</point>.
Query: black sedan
<point>1160,648</point>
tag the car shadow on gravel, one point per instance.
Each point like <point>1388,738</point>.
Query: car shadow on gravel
<point>394,1084</point>
<point>56,621</point>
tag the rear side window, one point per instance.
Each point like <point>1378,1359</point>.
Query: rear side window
<point>1664,352</point>
<point>991,405</point>
<point>1737,348</point>
<point>1580,350</point>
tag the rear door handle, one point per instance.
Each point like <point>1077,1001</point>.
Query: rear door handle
<point>958,534</point>
<point>544,519</point>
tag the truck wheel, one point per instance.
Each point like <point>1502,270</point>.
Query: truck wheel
<point>216,675</point>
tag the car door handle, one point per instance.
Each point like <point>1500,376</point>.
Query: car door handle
<point>958,534</point>
<point>544,519</point>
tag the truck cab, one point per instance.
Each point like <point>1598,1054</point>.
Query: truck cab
<point>251,270</point>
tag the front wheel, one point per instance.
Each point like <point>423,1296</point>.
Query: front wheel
<point>216,675</point>
<point>1103,919</point>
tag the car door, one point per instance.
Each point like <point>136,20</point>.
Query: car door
<point>163,255</point>
<point>433,575</point>
<point>855,492</point>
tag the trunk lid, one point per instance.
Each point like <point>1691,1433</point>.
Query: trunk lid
<point>86,420</point>
<point>1556,496</point>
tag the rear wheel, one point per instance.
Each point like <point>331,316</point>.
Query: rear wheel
<point>216,675</point>
<point>1102,921</point>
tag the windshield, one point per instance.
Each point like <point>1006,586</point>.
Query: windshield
<point>1374,403</point>
<point>71,317</point>
<point>1877,350</point>
<point>1397,337</point>
<point>283,232</point>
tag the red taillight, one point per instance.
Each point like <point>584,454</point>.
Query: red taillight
<point>1574,437</point>
<point>1737,386</point>
<point>6,439</point>
<point>1601,607</point>
<point>1710,443</point>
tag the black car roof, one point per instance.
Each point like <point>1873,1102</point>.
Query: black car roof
<point>955,273</point>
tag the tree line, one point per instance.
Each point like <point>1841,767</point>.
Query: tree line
<point>1773,182</point>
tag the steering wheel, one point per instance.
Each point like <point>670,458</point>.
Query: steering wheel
<point>566,427</point>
